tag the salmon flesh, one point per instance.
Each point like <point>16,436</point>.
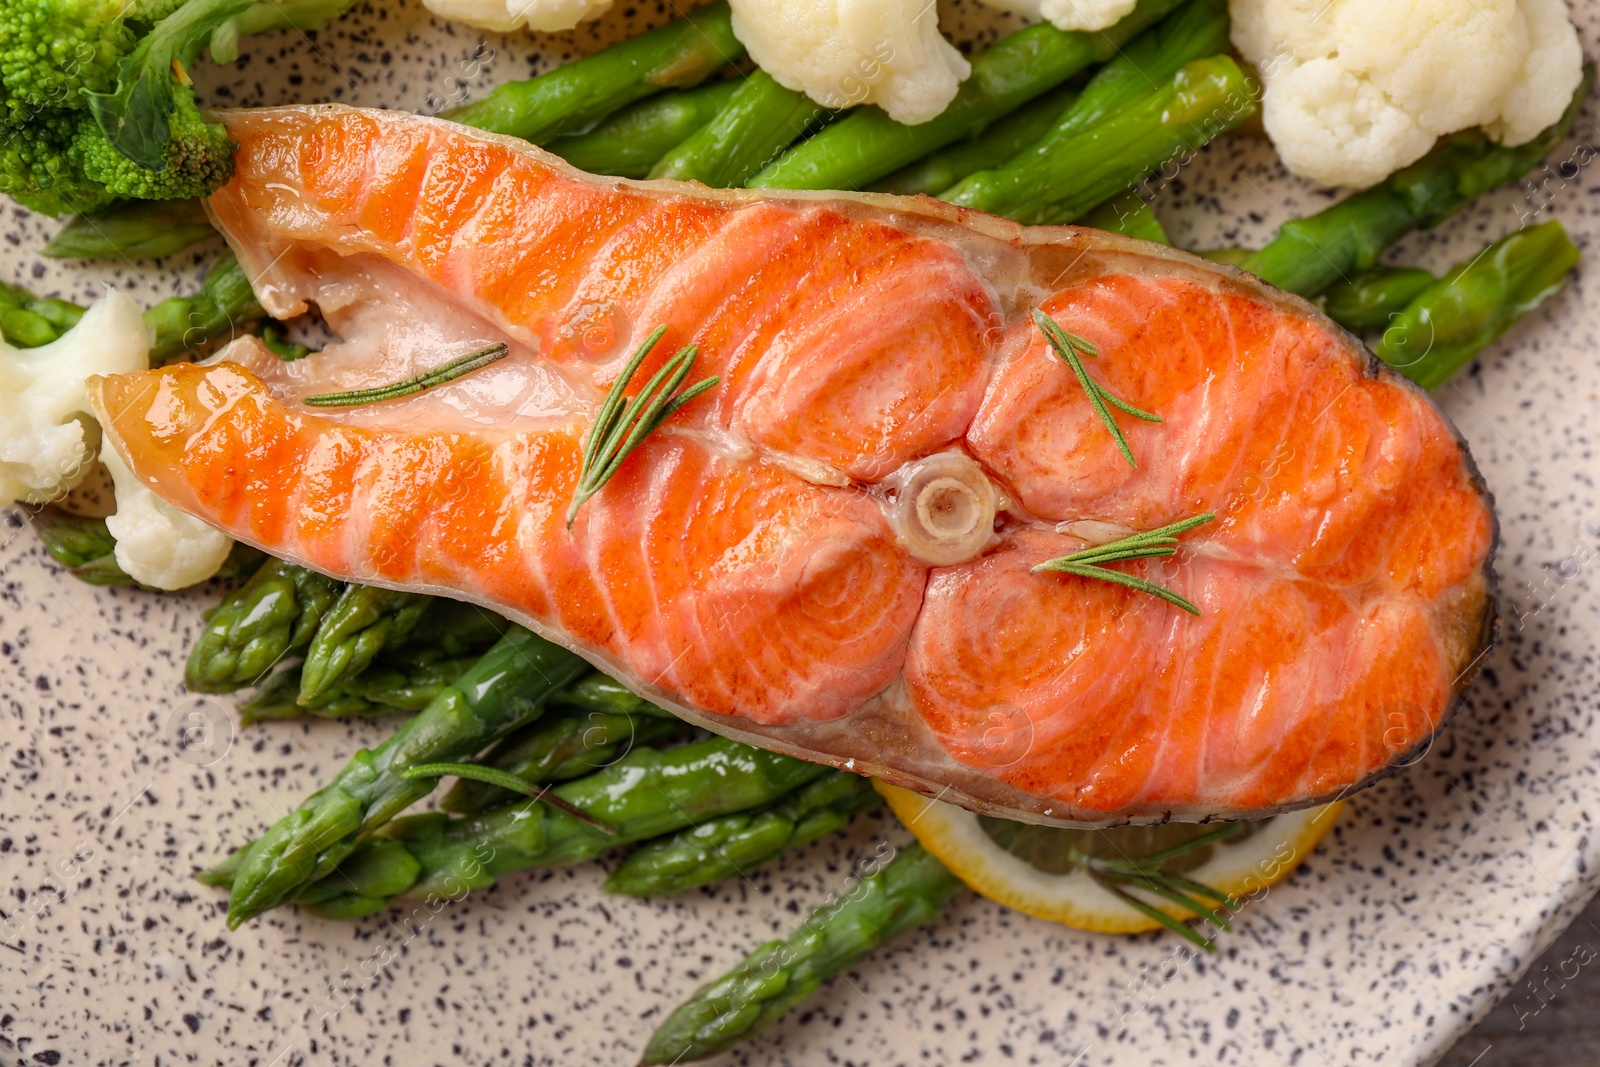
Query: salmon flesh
<point>830,553</point>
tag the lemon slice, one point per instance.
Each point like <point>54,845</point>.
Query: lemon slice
<point>1040,871</point>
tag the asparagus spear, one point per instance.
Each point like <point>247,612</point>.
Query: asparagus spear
<point>1203,99</point>
<point>597,693</point>
<point>146,229</point>
<point>760,121</point>
<point>630,142</point>
<point>503,690</point>
<point>28,321</point>
<point>1128,215</point>
<point>1196,30</point>
<point>866,145</point>
<point>1478,300</point>
<point>1369,299</point>
<point>557,750</point>
<point>361,624</point>
<point>223,305</point>
<point>739,842</point>
<point>1311,254</point>
<point>906,893</point>
<point>1002,140</point>
<point>272,614</point>
<point>682,53</point>
<point>84,546</point>
<point>453,628</point>
<point>645,794</point>
<point>379,690</point>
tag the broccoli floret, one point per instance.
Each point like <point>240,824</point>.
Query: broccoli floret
<point>41,170</point>
<point>52,50</point>
<point>198,158</point>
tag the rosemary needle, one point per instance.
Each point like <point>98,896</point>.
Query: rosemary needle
<point>1119,874</point>
<point>427,380</point>
<point>622,424</point>
<point>1068,346</point>
<point>1163,541</point>
<point>473,772</point>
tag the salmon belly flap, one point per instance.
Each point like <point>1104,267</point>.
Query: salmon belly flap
<point>769,562</point>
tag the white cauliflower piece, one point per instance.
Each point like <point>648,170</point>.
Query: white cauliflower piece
<point>1357,89</point>
<point>158,545</point>
<point>1084,15</point>
<point>47,437</point>
<point>846,52</point>
<point>503,16</point>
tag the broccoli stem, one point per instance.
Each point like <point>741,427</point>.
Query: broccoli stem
<point>1203,99</point>
<point>1007,136</point>
<point>1453,319</point>
<point>630,142</point>
<point>1311,254</point>
<point>752,129</point>
<point>143,230</point>
<point>682,53</point>
<point>867,145</point>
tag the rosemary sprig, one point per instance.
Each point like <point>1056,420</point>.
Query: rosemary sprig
<point>1163,541</point>
<point>427,380</point>
<point>1068,346</point>
<point>542,794</point>
<point>1119,874</point>
<point>622,424</point>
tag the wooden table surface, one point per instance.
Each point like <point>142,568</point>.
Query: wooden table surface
<point>1552,1017</point>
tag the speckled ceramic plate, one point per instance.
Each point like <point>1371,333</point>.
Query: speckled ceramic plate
<point>1437,887</point>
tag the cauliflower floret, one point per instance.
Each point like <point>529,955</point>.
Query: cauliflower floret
<point>1070,14</point>
<point>47,437</point>
<point>503,16</point>
<point>1357,89</point>
<point>158,545</point>
<point>48,441</point>
<point>846,52</point>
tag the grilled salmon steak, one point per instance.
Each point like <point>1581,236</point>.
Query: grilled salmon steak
<point>831,553</point>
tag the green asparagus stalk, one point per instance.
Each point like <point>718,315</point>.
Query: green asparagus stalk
<point>680,54</point>
<point>146,229</point>
<point>558,749</point>
<point>755,127</point>
<point>503,690</point>
<point>382,689</point>
<point>1007,136</point>
<point>867,145</point>
<point>597,693</point>
<point>1128,215</point>
<point>737,843</point>
<point>453,629</point>
<point>906,893</point>
<point>222,307</point>
<point>1196,30</point>
<point>225,303</point>
<point>84,546</point>
<point>363,622</point>
<point>1371,298</point>
<point>1202,100</point>
<point>630,142</point>
<point>272,614</point>
<point>1456,317</point>
<point>28,321</point>
<point>1309,255</point>
<point>645,794</point>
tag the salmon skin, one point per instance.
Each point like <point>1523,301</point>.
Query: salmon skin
<point>830,554</point>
